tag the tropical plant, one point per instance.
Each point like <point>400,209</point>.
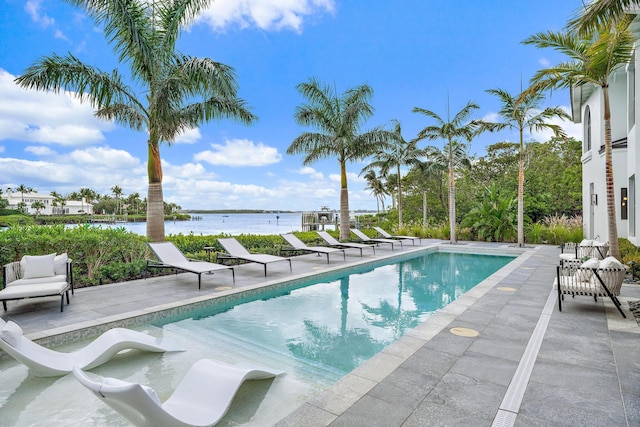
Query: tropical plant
<point>338,119</point>
<point>178,92</point>
<point>455,132</point>
<point>117,192</point>
<point>376,185</point>
<point>494,218</point>
<point>593,59</point>
<point>24,189</point>
<point>523,112</point>
<point>38,205</point>
<point>398,153</point>
<point>601,12</point>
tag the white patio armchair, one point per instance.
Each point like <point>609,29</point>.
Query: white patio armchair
<point>592,278</point>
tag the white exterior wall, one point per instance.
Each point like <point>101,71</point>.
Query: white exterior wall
<point>71,207</point>
<point>625,160</point>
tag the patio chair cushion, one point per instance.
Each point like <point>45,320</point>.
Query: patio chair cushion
<point>585,273</point>
<point>11,333</point>
<point>611,262</point>
<point>33,290</point>
<point>38,266</point>
<point>52,279</point>
<point>60,264</point>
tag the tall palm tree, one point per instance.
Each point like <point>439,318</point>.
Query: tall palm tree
<point>375,184</point>
<point>338,119</point>
<point>24,189</point>
<point>593,59</point>
<point>177,92</point>
<point>523,113</point>
<point>455,132</point>
<point>398,153</point>
<point>117,192</point>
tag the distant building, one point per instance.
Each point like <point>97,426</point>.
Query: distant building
<point>71,207</point>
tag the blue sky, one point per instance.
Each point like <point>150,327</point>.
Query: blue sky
<point>421,53</point>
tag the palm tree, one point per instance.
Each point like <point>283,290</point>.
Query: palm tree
<point>451,131</point>
<point>37,205</point>
<point>338,119</point>
<point>594,58</point>
<point>178,92</point>
<point>58,198</point>
<point>523,112</point>
<point>24,189</point>
<point>601,12</point>
<point>375,184</point>
<point>117,192</point>
<point>398,153</point>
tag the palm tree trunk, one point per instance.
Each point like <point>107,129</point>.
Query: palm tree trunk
<point>155,200</point>
<point>521,194</point>
<point>344,203</point>
<point>399,199</point>
<point>611,201</point>
<point>452,205</point>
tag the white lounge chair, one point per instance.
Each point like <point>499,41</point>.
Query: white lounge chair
<point>592,278</point>
<point>236,250</point>
<point>44,362</point>
<point>37,276</point>
<point>201,399</point>
<point>171,257</point>
<point>299,245</point>
<point>363,237</point>
<point>331,241</point>
<point>386,235</point>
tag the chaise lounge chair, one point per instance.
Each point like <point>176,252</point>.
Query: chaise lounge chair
<point>44,362</point>
<point>331,241</point>
<point>171,257</point>
<point>299,245</point>
<point>201,399</point>
<point>386,235</point>
<point>236,250</point>
<point>363,237</point>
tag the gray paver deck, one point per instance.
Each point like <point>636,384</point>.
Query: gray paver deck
<point>586,372</point>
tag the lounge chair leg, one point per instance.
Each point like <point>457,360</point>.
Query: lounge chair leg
<point>4,304</point>
<point>265,270</point>
<point>61,303</point>
<point>199,280</point>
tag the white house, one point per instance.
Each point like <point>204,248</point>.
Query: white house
<point>71,207</point>
<point>587,108</point>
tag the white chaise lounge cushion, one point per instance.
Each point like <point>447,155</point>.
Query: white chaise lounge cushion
<point>33,290</point>
<point>11,333</point>
<point>34,266</point>
<point>52,279</point>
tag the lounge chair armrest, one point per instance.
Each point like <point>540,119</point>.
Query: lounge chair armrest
<point>10,272</point>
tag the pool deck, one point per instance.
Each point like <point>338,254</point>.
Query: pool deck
<point>501,355</point>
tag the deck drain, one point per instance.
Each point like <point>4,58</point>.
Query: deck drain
<point>464,332</point>
<point>223,288</point>
<point>506,288</point>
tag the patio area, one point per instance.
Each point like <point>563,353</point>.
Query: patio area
<point>502,354</point>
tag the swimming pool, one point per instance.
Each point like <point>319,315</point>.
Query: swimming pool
<point>315,331</point>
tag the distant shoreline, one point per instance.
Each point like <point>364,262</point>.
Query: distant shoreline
<point>234,211</point>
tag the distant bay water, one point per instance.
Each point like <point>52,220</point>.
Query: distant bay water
<point>232,223</point>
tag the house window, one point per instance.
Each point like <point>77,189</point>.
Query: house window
<point>587,129</point>
<point>624,204</point>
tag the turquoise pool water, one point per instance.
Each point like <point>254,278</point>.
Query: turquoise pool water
<point>328,327</point>
<point>315,332</point>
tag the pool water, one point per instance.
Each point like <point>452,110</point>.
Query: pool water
<point>316,333</point>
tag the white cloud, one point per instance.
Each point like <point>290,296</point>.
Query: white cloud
<point>32,7</point>
<point>189,136</point>
<point>544,62</point>
<point>573,130</point>
<point>39,150</point>
<point>46,118</point>
<point>263,14</point>
<point>307,170</point>
<point>240,152</point>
